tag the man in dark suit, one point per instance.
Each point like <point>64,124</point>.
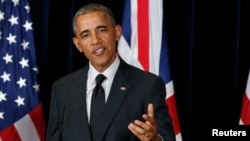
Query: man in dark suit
<point>134,107</point>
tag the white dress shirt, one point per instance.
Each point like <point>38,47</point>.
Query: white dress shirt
<point>109,73</point>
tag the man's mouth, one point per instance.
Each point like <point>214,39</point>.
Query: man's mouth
<point>99,51</point>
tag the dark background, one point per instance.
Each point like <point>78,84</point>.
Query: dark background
<point>208,43</point>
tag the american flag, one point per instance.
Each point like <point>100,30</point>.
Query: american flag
<point>143,44</point>
<point>21,113</point>
<point>245,111</point>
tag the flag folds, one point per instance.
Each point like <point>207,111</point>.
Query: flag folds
<point>21,113</point>
<point>245,111</point>
<point>143,44</point>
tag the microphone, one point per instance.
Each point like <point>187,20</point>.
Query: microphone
<point>61,122</point>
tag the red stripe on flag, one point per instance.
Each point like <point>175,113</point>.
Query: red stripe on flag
<point>38,120</point>
<point>245,111</point>
<point>9,134</point>
<point>143,33</point>
<point>173,113</point>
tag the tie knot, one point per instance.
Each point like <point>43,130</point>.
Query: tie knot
<point>99,79</point>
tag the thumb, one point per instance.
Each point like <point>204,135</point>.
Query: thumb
<point>151,110</point>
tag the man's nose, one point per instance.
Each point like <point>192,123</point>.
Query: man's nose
<point>95,38</point>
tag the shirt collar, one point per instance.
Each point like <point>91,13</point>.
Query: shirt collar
<point>109,72</point>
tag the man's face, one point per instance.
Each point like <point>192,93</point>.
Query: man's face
<point>96,37</point>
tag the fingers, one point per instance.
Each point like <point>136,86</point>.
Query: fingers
<point>142,127</point>
<point>145,130</point>
<point>141,130</point>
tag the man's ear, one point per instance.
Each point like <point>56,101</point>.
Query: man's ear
<point>75,41</point>
<point>118,32</point>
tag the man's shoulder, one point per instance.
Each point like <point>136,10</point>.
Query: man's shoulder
<point>71,76</point>
<point>140,73</point>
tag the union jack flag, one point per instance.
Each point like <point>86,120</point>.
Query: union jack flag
<point>21,113</point>
<point>143,44</point>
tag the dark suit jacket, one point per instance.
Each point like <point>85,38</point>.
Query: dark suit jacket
<point>68,115</point>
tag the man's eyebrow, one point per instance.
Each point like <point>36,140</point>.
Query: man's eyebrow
<point>98,27</point>
<point>101,26</point>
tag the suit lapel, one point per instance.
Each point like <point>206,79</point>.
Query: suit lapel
<point>80,90</point>
<point>117,95</point>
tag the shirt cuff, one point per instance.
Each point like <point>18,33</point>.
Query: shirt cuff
<point>160,137</point>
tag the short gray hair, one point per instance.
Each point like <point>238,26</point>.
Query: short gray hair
<point>93,7</point>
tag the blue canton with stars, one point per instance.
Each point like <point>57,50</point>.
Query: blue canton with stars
<point>19,88</point>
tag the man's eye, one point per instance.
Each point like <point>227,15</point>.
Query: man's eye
<point>84,35</point>
<point>102,30</point>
